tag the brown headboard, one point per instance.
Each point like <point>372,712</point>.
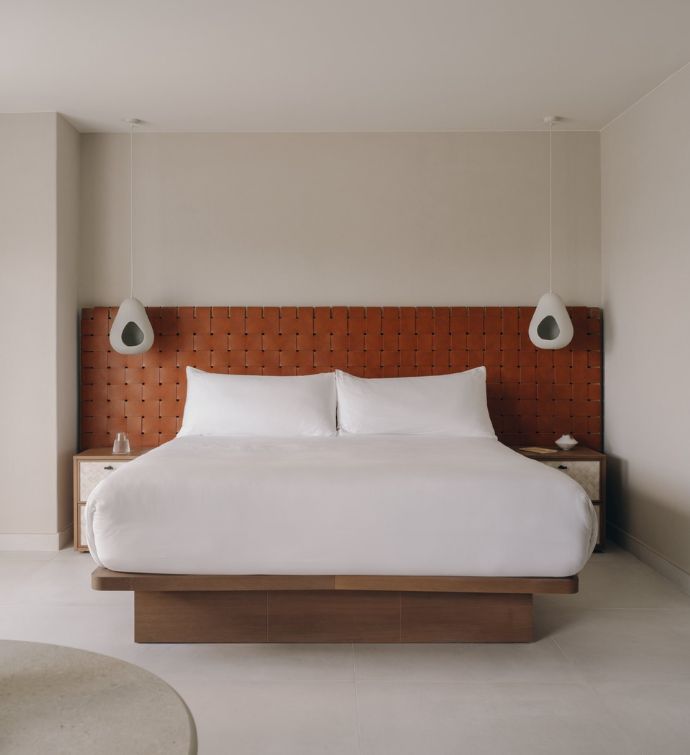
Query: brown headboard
<point>534,395</point>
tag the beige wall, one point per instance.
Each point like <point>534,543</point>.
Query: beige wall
<point>27,311</point>
<point>67,315</point>
<point>646,274</point>
<point>339,218</point>
<point>37,382</point>
<point>255,219</point>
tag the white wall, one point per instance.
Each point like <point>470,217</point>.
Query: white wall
<point>340,218</point>
<point>27,311</point>
<point>67,313</point>
<point>646,274</point>
<point>243,219</point>
<point>37,248</point>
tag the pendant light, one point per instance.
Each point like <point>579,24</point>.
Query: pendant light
<point>131,332</point>
<point>550,327</point>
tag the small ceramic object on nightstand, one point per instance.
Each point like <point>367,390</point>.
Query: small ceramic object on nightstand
<point>566,442</point>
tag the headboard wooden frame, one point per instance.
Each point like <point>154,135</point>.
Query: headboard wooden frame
<point>534,395</point>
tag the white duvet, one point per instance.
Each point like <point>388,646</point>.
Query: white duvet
<point>341,505</point>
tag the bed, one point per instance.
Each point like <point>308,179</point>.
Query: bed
<point>346,538</point>
<point>396,537</point>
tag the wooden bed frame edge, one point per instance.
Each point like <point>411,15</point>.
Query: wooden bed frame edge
<point>331,608</point>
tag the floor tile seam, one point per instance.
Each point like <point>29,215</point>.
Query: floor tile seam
<point>192,676</point>
<point>468,685</point>
<point>614,609</point>
<point>358,720</point>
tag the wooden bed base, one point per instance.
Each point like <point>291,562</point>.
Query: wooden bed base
<point>257,608</point>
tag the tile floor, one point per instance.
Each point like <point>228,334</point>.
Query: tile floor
<point>609,674</point>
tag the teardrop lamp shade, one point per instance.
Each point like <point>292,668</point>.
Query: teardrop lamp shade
<point>131,332</point>
<point>551,326</point>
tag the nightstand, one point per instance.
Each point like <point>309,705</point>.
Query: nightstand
<point>586,466</point>
<point>90,467</point>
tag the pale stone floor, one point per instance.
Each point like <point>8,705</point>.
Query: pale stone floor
<point>609,674</point>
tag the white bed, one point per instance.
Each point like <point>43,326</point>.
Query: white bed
<point>357,504</point>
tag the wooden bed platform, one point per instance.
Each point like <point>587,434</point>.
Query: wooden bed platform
<point>258,608</point>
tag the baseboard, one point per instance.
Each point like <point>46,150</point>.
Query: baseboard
<point>29,541</point>
<point>649,556</point>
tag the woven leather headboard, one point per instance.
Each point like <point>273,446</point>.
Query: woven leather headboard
<point>534,395</point>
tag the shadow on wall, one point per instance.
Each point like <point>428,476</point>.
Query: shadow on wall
<point>616,485</point>
<point>633,507</point>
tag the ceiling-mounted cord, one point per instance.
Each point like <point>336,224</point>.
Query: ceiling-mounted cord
<point>550,120</point>
<point>132,124</point>
<point>550,204</point>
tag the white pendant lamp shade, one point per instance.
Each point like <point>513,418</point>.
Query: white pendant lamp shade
<point>131,332</point>
<point>551,326</point>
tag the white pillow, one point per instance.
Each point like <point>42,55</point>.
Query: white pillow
<point>269,406</point>
<point>436,405</point>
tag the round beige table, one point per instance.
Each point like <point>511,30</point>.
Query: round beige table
<point>56,700</point>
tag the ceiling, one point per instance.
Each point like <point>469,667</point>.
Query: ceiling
<point>337,65</point>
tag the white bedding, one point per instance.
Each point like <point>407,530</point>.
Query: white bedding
<point>341,505</point>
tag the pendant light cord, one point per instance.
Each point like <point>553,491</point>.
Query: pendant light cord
<point>131,210</point>
<point>550,202</point>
